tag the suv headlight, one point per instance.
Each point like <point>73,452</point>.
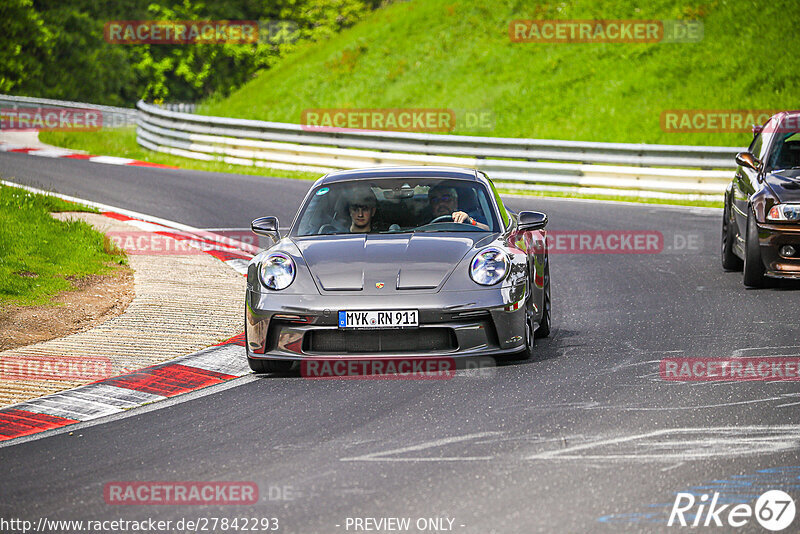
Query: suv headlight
<point>489,266</point>
<point>277,271</point>
<point>784,212</point>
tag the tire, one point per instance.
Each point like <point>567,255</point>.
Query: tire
<point>753,265</point>
<point>544,325</point>
<point>269,366</point>
<point>527,352</point>
<point>730,261</point>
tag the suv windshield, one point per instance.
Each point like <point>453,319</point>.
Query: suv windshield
<point>394,205</point>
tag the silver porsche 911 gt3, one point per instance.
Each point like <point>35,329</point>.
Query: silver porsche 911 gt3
<point>421,262</point>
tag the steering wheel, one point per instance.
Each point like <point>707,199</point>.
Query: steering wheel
<point>327,229</point>
<point>442,218</point>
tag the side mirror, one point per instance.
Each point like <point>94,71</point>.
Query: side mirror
<point>266,226</point>
<point>746,159</point>
<point>531,220</point>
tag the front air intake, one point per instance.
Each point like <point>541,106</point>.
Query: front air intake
<point>342,342</point>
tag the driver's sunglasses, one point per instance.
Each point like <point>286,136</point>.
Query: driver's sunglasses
<point>442,198</point>
<point>359,207</point>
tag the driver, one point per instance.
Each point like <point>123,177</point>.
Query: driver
<point>362,206</point>
<point>444,201</point>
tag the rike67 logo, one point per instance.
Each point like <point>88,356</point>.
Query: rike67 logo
<point>774,510</point>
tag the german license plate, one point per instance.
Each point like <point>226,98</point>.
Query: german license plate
<point>378,319</point>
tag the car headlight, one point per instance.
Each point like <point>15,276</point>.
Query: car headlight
<point>489,266</point>
<point>784,212</point>
<point>277,271</point>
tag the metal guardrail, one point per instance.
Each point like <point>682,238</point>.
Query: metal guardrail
<point>113,117</point>
<point>636,169</point>
<point>182,107</point>
<point>661,171</point>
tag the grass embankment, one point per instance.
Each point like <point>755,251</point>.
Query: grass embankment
<point>39,255</point>
<point>456,54</point>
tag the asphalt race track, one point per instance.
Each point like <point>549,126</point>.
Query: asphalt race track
<point>586,437</point>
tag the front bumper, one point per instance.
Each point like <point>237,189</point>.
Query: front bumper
<point>459,324</point>
<point>771,238</point>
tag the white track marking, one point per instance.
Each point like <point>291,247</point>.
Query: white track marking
<point>116,396</point>
<point>742,353</point>
<point>381,456</point>
<point>670,468</point>
<point>675,446</point>
<point>111,160</point>
<point>238,265</point>
<point>711,442</point>
<point>50,153</point>
<point>7,147</point>
<point>70,406</point>
<point>226,359</point>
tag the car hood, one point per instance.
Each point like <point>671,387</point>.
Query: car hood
<point>785,184</point>
<point>399,262</point>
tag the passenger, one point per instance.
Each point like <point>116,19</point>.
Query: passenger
<point>362,207</point>
<point>444,201</point>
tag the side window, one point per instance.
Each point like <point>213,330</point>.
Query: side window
<point>503,213</point>
<point>755,146</point>
<point>763,140</point>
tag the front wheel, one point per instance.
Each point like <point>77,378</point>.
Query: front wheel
<point>527,352</point>
<point>730,261</point>
<point>753,265</point>
<point>544,325</point>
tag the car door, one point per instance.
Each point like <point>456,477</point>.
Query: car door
<point>746,181</point>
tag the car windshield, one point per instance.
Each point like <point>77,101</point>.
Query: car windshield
<point>396,205</point>
<point>786,153</point>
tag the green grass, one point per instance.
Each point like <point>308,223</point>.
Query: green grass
<point>456,54</point>
<point>39,254</point>
<point>121,142</point>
